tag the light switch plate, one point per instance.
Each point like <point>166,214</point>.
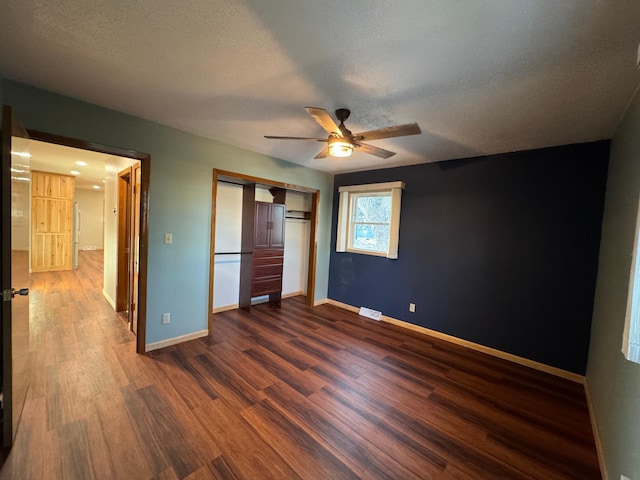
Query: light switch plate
<point>168,238</point>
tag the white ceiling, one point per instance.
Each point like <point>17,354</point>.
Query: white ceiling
<point>49,157</point>
<point>479,77</point>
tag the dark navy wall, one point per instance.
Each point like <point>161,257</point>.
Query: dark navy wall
<point>499,250</point>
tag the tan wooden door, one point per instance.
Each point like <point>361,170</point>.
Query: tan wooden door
<point>51,221</point>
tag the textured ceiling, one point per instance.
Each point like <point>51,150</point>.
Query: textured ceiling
<point>479,77</point>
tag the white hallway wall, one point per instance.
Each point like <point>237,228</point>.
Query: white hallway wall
<point>91,205</point>
<point>228,231</point>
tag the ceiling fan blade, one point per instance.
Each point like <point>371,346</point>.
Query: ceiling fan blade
<point>324,119</point>
<point>323,154</point>
<point>377,151</point>
<point>295,138</point>
<point>397,131</point>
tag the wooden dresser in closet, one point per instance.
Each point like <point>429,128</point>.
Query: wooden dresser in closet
<point>262,257</point>
<point>268,250</point>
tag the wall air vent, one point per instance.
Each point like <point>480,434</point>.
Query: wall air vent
<point>370,313</point>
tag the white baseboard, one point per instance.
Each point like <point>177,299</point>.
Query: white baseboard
<point>175,340</point>
<point>574,377</point>
<point>109,299</point>
<point>596,431</point>
<point>293,294</point>
<point>225,308</point>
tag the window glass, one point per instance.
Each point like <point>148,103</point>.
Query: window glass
<point>631,333</point>
<point>370,228</point>
<point>373,208</point>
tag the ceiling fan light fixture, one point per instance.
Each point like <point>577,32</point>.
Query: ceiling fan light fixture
<point>341,142</point>
<point>340,148</point>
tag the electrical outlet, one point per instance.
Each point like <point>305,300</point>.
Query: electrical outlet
<point>168,238</point>
<point>166,318</point>
<point>412,307</point>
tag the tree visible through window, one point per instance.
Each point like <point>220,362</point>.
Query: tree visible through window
<point>370,225</point>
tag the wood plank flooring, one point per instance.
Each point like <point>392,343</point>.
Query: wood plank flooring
<point>290,393</point>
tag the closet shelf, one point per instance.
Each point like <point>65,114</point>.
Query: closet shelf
<point>298,214</point>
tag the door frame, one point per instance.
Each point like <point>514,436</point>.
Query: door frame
<point>242,179</point>
<point>123,295</point>
<point>128,233</point>
<point>145,168</point>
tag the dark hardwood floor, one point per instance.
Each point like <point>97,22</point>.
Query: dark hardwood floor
<point>281,394</point>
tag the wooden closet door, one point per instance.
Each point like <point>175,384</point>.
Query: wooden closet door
<point>51,221</point>
<point>261,226</point>
<point>277,226</point>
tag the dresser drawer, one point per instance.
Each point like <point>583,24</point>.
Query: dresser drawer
<point>264,286</point>
<point>262,271</point>
<point>268,261</point>
<point>268,252</point>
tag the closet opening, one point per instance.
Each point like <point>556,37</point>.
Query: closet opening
<point>263,242</point>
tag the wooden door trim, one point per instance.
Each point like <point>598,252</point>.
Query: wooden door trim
<point>145,168</point>
<point>242,179</point>
<point>134,243</point>
<point>123,297</point>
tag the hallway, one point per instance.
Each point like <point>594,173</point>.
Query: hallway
<point>80,348</point>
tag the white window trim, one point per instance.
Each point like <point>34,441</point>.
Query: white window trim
<point>631,334</point>
<point>394,225</point>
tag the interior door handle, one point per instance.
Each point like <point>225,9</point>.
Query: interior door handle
<point>8,294</point>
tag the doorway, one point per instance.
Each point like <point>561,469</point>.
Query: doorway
<point>118,159</point>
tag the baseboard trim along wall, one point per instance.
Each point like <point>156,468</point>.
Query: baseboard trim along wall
<point>574,377</point>
<point>109,299</point>
<point>596,432</point>
<point>226,308</point>
<point>173,341</point>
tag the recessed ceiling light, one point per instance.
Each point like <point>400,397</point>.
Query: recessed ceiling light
<point>74,172</point>
<point>81,163</point>
<point>104,181</point>
<point>97,187</point>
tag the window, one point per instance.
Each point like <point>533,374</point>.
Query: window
<point>631,335</point>
<point>369,219</point>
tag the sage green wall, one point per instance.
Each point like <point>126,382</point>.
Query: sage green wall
<point>614,382</point>
<point>179,200</point>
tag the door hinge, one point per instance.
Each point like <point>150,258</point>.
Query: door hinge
<point>7,295</point>
<point>133,307</point>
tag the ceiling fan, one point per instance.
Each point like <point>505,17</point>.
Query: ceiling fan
<point>341,142</point>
